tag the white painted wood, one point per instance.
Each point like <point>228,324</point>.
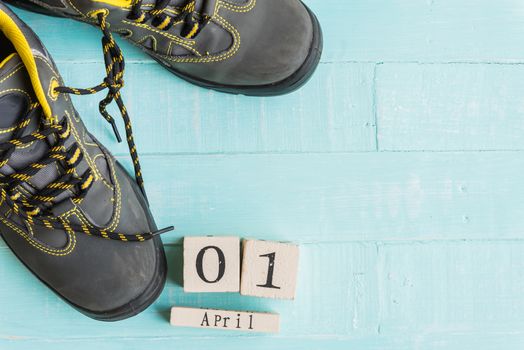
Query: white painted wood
<point>211,264</point>
<point>269,269</point>
<point>225,319</point>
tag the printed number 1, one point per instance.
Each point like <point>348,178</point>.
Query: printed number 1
<point>270,270</point>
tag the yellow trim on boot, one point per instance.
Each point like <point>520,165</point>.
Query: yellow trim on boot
<point>117,3</point>
<point>10,29</point>
<point>7,59</point>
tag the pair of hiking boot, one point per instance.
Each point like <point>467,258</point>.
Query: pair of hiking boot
<point>68,209</point>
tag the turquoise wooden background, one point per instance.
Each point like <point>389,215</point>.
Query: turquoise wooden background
<point>398,169</point>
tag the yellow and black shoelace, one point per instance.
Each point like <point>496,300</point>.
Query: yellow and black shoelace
<point>35,209</point>
<point>113,82</point>
<point>193,22</point>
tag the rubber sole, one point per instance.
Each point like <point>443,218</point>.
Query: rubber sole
<point>285,86</point>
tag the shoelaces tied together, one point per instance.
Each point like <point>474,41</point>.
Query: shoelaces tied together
<point>36,209</point>
<point>115,64</point>
<point>113,82</point>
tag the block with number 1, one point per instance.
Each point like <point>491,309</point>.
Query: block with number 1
<point>269,269</point>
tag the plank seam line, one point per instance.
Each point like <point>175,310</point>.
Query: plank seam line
<point>213,337</point>
<point>123,155</point>
<point>381,243</point>
<point>160,338</point>
<point>374,62</point>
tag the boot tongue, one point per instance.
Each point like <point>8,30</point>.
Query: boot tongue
<point>11,106</point>
<point>14,106</point>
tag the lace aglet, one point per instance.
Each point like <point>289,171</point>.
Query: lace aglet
<point>164,230</point>
<point>115,130</point>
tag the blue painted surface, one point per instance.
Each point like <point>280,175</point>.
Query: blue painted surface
<point>398,169</point>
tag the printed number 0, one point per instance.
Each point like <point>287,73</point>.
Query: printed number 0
<point>270,270</point>
<point>221,264</point>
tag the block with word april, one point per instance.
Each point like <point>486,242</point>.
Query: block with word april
<point>225,319</point>
<point>269,269</point>
<point>211,264</point>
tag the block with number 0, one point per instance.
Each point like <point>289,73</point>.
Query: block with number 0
<point>211,264</point>
<point>269,269</point>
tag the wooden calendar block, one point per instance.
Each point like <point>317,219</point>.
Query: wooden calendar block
<point>225,319</point>
<point>211,264</point>
<point>269,269</point>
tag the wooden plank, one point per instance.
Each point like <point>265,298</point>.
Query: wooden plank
<point>334,112</point>
<point>354,290</point>
<point>340,197</point>
<point>426,341</point>
<point>451,341</point>
<point>240,321</point>
<point>451,287</point>
<point>361,30</point>
<point>422,31</point>
<point>449,107</point>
